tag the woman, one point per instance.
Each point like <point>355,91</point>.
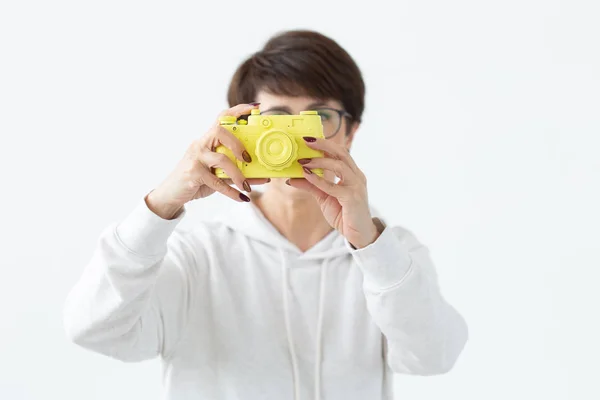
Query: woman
<point>300,294</point>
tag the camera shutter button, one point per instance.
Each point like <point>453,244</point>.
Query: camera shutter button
<point>227,120</point>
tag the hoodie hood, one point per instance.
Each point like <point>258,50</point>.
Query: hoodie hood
<point>247,219</point>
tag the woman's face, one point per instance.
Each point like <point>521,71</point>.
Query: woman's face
<point>275,104</point>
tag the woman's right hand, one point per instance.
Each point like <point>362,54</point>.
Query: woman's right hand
<point>193,177</point>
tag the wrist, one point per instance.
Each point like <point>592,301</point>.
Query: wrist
<point>368,237</point>
<point>162,208</point>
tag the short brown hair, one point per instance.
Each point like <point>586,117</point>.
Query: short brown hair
<point>296,63</point>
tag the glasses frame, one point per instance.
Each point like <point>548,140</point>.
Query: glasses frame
<point>341,114</point>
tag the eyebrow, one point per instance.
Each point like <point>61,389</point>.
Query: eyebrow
<point>289,111</point>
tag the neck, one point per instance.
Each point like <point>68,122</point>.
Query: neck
<point>297,216</point>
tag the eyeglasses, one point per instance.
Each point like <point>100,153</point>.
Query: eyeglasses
<point>331,119</point>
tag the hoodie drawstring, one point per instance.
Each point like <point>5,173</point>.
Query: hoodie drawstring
<point>319,338</point>
<point>288,327</point>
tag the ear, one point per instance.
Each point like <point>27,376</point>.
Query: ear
<point>350,136</point>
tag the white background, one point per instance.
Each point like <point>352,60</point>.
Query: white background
<point>481,135</point>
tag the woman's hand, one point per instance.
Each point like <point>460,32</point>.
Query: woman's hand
<point>345,205</point>
<point>193,177</point>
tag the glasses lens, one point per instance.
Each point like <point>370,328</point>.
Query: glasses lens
<point>331,122</point>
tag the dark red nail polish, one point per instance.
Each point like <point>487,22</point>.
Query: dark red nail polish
<point>246,186</point>
<point>304,161</point>
<point>308,171</point>
<point>246,156</point>
<point>254,104</point>
<point>310,139</point>
<point>244,197</point>
<point>268,180</point>
<point>287,182</point>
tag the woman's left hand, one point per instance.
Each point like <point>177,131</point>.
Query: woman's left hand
<point>345,205</point>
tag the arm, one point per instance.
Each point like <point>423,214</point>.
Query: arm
<point>133,298</point>
<point>425,335</point>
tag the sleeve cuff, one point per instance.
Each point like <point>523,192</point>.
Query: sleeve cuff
<point>384,263</point>
<point>144,233</point>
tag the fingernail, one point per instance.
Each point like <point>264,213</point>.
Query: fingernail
<point>308,171</point>
<point>309,139</point>
<point>246,156</point>
<point>254,104</point>
<point>246,186</point>
<point>244,197</point>
<point>303,161</point>
<point>287,182</point>
<point>268,180</point>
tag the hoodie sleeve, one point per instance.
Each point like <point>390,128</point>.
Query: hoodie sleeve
<point>132,301</point>
<point>424,334</point>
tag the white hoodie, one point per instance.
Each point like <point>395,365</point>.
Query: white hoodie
<point>236,311</point>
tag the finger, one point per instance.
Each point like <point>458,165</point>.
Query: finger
<point>218,160</point>
<point>219,185</point>
<point>335,150</point>
<point>329,188</point>
<point>338,167</point>
<point>303,184</point>
<point>229,140</point>
<point>239,110</point>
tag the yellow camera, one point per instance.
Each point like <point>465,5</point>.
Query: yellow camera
<point>274,143</point>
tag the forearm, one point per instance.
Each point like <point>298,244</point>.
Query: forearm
<point>115,306</point>
<point>425,334</point>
